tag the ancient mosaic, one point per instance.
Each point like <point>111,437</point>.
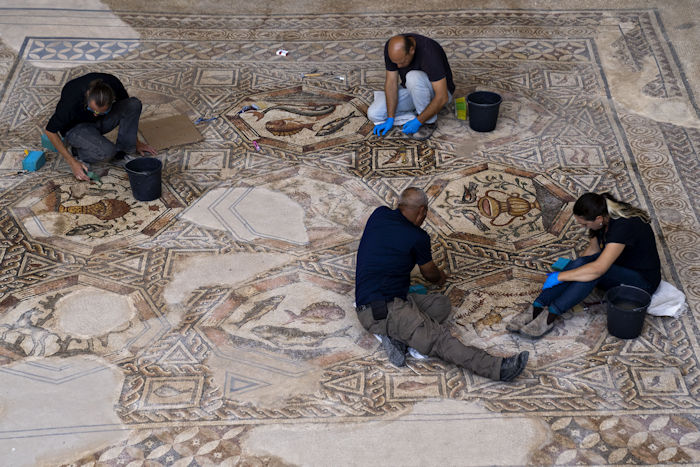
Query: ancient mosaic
<point>275,199</point>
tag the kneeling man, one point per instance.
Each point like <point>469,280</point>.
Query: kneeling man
<point>392,244</point>
<point>90,106</point>
<point>426,86</point>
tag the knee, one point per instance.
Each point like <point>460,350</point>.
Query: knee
<point>133,104</point>
<point>106,151</point>
<point>377,112</point>
<point>416,78</point>
<point>443,307</point>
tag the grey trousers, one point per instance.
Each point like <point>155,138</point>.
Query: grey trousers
<point>90,146</point>
<point>417,322</point>
<point>412,100</point>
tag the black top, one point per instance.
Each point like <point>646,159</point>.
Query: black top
<point>640,253</point>
<point>429,57</point>
<point>390,247</point>
<point>71,109</point>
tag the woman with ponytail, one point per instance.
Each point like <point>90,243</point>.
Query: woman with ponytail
<point>622,250</point>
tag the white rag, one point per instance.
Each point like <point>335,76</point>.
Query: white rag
<point>413,352</point>
<point>667,301</point>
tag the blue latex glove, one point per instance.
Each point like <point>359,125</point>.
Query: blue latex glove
<point>382,128</point>
<point>411,127</point>
<point>418,288</point>
<point>552,280</point>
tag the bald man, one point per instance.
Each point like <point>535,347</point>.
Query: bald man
<point>426,86</point>
<point>392,244</point>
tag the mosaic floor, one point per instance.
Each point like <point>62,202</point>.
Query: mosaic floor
<point>216,325</point>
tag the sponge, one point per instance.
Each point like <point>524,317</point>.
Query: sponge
<point>33,160</point>
<point>560,264</point>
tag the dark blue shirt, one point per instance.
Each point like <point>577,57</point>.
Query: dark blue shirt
<point>390,247</point>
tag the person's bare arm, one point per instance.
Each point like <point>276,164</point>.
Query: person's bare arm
<point>592,248</point>
<point>391,92</point>
<point>433,273</point>
<point>438,102</point>
<point>597,268</point>
<point>78,168</point>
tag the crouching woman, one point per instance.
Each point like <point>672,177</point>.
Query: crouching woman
<point>622,250</point>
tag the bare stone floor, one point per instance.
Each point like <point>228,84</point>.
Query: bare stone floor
<point>215,325</point>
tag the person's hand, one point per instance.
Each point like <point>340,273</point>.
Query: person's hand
<point>382,128</point>
<point>552,280</point>
<point>79,170</point>
<point>411,127</point>
<point>143,148</point>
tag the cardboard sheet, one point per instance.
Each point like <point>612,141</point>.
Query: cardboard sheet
<point>168,132</point>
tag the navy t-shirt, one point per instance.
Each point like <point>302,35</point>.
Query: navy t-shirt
<point>390,247</point>
<point>430,58</point>
<point>640,253</point>
<point>71,109</point>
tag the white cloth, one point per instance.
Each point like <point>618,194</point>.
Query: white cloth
<point>412,352</point>
<point>667,301</point>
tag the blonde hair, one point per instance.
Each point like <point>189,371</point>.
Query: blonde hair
<point>618,209</point>
<point>591,205</point>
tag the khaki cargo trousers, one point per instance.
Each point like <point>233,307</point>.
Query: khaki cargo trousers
<point>417,323</point>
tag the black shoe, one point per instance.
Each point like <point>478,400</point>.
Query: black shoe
<point>119,155</point>
<point>511,367</point>
<point>395,350</point>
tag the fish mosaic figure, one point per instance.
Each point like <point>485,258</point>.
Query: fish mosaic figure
<point>287,127</point>
<point>260,309</point>
<point>413,385</point>
<point>104,209</point>
<point>335,125</point>
<point>86,229</point>
<point>305,111</point>
<point>319,312</point>
<point>284,336</point>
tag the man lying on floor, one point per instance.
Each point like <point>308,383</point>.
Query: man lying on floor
<point>392,244</point>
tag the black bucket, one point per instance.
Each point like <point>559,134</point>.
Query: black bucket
<point>483,110</point>
<point>627,307</point>
<point>144,177</point>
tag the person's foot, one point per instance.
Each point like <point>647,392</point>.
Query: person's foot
<point>511,367</point>
<point>395,350</point>
<point>539,326</point>
<point>119,155</point>
<point>520,320</point>
<point>424,132</point>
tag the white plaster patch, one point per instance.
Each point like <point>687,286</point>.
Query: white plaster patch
<point>91,312</point>
<point>627,85</point>
<point>56,409</point>
<point>449,430</point>
<point>250,213</point>
<point>208,270</point>
<point>61,18</point>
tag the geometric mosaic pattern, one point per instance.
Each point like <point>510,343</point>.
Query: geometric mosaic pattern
<point>273,336</point>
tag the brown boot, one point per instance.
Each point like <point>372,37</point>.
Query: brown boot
<point>538,327</point>
<point>520,320</point>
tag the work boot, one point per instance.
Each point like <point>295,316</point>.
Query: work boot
<point>424,132</point>
<point>395,350</point>
<point>520,320</point>
<point>538,327</point>
<point>511,367</point>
